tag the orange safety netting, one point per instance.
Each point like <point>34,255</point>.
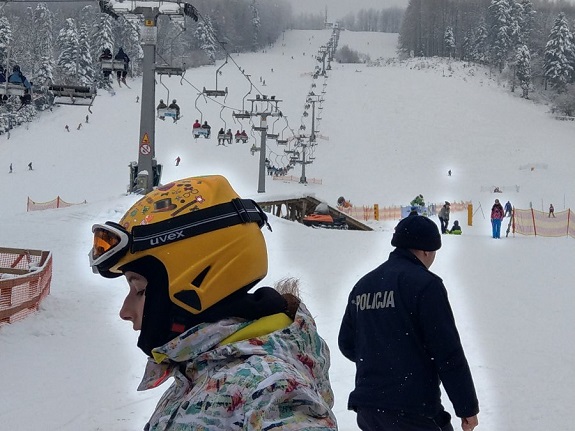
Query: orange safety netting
<point>25,277</point>
<point>533,222</point>
<point>55,203</point>
<point>393,212</point>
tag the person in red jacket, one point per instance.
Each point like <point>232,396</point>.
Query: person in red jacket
<point>497,214</point>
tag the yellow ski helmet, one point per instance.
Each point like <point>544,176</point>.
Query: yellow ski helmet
<point>207,238</point>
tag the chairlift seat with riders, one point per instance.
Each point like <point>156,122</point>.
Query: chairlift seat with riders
<point>168,112</point>
<point>241,138</point>
<point>201,131</point>
<point>112,65</point>
<point>11,89</point>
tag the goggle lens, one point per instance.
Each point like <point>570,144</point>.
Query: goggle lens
<point>111,242</point>
<point>104,241</point>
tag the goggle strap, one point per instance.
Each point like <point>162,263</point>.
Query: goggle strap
<point>238,211</point>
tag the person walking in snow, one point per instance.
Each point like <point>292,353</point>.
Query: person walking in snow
<point>444,216</point>
<point>245,361</point>
<point>497,214</point>
<point>399,330</point>
<point>508,209</point>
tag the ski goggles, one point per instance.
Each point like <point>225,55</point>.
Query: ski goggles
<point>112,241</point>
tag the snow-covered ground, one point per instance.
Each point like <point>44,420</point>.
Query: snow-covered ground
<point>388,134</point>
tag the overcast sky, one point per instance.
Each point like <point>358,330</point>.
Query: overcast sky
<point>339,8</point>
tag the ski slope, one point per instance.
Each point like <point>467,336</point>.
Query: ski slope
<point>389,133</point>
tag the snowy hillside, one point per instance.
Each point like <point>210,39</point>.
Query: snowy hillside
<point>389,133</point>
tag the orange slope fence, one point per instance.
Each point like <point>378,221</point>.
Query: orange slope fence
<point>539,223</point>
<point>25,277</point>
<point>54,203</point>
<point>395,212</point>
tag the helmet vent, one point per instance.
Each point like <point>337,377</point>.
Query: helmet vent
<point>197,282</point>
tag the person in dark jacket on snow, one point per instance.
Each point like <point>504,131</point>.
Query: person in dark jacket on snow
<point>399,330</point>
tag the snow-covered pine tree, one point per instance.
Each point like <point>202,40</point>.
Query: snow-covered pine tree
<point>515,25</point>
<point>129,39</point>
<point>102,34</point>
<point>523,69</point>
<point>43,71</point>
<point>480,49</point>
<point>527,20</point>
<point>206,38</point>
<point>5,39</point>
<point>256,25</point>
<point>86,72</point>
<point>499,30</point>
<point>68,58</point>
<point>467,45</point>
<point>559,54</point>
<point>23,43</point>
<point>102,37</point>
<point>449,41</point>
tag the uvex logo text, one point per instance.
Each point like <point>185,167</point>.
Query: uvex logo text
<point>162,239</point>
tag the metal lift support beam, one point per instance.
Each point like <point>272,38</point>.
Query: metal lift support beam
<point>149,10</point>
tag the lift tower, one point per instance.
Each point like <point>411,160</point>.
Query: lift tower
<point>146,173</point>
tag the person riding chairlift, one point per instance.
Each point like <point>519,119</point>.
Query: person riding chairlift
<point>197,125</point>
<point>160,107</point>
<point>174,106</point>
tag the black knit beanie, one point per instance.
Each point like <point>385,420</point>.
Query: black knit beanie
<point>418,233</point>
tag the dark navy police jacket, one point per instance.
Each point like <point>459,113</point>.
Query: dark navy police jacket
<point>399,330</point>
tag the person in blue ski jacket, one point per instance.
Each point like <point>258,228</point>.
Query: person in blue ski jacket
<point>399,330</point>
<point>17,77</point>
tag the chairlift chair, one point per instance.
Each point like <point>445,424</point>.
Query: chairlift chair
<point>11,89</point>
<point>73,95</point>
<point>166,69</point>
<point>112,65</point>
<point>217,92</point>
<point>200,131</point>
<point>242,115</point>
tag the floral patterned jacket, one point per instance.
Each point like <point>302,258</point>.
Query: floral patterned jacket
<point>277,381</point>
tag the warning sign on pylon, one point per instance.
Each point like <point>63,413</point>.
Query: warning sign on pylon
<point>146,139</point>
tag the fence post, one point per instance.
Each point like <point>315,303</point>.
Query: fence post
<point>470,215</point>
<point>533,219</point>
<point>376,212</point>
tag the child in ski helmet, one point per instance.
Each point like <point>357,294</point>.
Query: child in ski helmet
<point>191,250</point>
